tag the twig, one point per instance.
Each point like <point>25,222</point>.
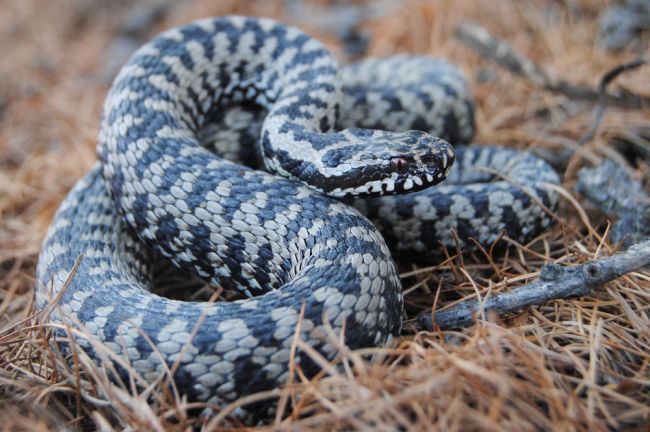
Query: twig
<point>499,51</point>
<point>554,282</point>
<point>602,91</point>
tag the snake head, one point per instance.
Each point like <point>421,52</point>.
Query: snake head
<point>388,163</point>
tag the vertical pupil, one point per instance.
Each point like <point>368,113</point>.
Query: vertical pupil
<point>399,164</point>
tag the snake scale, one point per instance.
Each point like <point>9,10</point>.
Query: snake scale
<point>251,89</point>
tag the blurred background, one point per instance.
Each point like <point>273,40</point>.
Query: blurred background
<point>57,61</point>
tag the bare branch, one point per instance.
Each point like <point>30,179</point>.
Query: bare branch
<point>555,282</point>
<point>499,51</point>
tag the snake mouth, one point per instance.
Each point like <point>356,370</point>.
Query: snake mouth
<point>420,174</point>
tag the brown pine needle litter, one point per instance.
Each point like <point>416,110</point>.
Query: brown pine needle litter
<point>581,364</point>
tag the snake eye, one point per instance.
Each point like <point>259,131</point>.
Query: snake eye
<point>398,164</point>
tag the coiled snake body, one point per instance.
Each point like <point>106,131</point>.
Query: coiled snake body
<point>304,258</point>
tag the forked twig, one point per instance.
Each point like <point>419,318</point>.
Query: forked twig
<point>500,52</point>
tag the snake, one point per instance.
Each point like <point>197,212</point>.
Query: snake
<point>342,163</point>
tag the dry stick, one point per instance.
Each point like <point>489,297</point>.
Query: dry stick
<point>554,282</point>
<point>494,49</point>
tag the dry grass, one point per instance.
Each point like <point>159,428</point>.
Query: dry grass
<point>582,364</point>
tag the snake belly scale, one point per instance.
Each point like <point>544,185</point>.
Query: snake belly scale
<point>301,256</point>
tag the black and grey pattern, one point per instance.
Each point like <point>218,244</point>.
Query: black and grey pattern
<point>319,252</point>
<point>277,240</point>
<point>475,201</point>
